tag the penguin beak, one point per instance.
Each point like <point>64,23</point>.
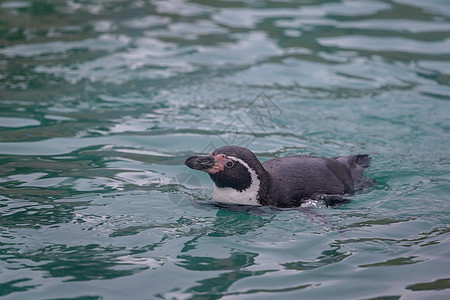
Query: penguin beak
<point>207,163</point>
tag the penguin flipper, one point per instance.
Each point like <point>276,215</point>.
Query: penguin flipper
<point>333,200</point>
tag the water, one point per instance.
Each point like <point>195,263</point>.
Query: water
<point>101,102</point>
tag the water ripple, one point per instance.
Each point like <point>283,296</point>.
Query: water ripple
<point>102,101</point>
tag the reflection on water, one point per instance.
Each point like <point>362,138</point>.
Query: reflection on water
<point>101,102</point>
<point>327,257</point>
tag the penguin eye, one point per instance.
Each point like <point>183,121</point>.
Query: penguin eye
<point>229,164</point>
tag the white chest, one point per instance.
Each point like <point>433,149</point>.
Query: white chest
<point>229,195</point>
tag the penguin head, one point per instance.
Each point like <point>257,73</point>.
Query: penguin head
<point>229,167</point>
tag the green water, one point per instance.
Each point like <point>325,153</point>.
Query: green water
<point>101,102</point>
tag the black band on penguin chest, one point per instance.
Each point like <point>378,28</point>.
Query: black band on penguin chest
<point>234,178</point>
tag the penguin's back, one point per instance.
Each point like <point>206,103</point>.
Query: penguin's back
<point>296,178</point>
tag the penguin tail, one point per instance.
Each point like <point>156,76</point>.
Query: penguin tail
<point>356,164</point>
<point>363,160</point>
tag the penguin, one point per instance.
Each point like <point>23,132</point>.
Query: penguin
<point>240,178</point>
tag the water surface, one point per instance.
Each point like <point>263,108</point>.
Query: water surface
<point>101,102</point>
